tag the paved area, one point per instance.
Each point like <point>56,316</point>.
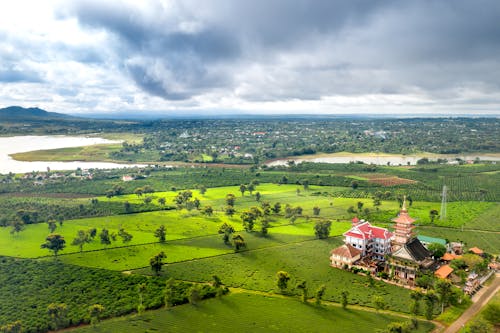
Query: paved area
<point>480,299</point>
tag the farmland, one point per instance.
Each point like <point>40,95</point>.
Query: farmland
<point>275,315</point>
<point>195,251</point>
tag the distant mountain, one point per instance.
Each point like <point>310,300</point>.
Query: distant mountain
<point>20,113</point>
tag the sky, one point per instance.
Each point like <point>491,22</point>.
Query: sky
<point>252,57</point>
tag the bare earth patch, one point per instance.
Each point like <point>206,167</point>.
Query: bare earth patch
<point>386,180</point>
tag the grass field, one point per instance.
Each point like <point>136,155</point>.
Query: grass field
<point>244,312</point>
<point>307,261</point>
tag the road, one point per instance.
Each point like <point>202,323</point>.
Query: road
<point>480,299</point>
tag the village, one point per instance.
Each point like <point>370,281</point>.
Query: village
<point>408,259</point>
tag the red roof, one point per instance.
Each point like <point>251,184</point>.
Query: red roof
<point>346,251</point>
<point>367,231</point>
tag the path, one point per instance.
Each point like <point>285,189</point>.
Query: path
<point>480,299</point>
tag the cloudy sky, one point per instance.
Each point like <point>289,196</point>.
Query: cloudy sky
<point>259,56</point>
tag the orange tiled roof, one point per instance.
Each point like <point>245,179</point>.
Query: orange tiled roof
<point>346,251</point>
<point>443,271</point>
<point>476,250</point>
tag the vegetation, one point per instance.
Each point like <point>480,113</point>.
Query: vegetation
<point>256,312</point>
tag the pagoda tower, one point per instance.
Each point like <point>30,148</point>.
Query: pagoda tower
<point>403,230</point>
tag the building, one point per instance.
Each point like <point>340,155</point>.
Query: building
<point>409,255</point>
<point>373,242</point>
<point>345,255</point>
<point>443,272</point>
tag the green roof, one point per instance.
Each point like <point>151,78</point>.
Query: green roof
<point>428,240</point>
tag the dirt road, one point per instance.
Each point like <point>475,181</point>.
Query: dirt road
<point>480,300</point>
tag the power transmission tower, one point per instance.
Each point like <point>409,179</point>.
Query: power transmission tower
<point>443,204</point>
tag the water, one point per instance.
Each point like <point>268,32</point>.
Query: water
<point>381,159</point>
<point>20,144</point>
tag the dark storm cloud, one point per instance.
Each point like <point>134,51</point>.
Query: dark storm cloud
<point>303,49</point>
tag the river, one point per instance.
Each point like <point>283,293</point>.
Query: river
<point>381,159</point>
<point>20,144</point>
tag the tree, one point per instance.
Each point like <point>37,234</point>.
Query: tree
<point>430,299</point>
<point>54,243</point>
<point>276,208</point>
<point>169,293</point>
<point>243,188</point>
<point>141,288</point>
<point>264,226</point>
<point>57,313</point>
<point>480,326</point>
<point>251,188</point>
<point>238,242</point>
<point>437,250</point>
<point>320,292</point>
<point>354,184</point>
<point>161,233</point>
<point>378,302</point>
<point>226,230</point>
<point>156,262</point>
<point>492,312</point>
<point>249,217</point>
<point>282,279</point>
<point>443,290</point>
<point>104,236</point>
<point>360,206</point>
<point>82,238</point>
<point>95,312</point>
<point>202,189</point>
<point>316,210</point>
<point>125,236</point>
<point>161,201</point>
<point>416,295</point>
<point>303,287</point>
<point>344,295</point>
<point>17,226</point>
<point>52,226</point>
<point>229,211</point>
<point>139,191</point>
<point>14,327</point>
<point>432,214</point>
<point>257,196</point>
<point>147,200</point>
<point>322,229</point>
<point>305,184</point>
<point>208,210</point>
<point>127,206</point>
<point>230,199</point>
<point>194,294</point>
<point>196,203</point>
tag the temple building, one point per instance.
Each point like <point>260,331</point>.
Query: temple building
<point>409,255</point>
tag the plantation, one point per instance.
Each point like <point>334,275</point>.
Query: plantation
<point>195,250</point>
<point>245,312</point>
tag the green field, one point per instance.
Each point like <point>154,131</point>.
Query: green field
<point>245,312</point>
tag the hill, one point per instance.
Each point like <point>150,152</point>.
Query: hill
<point>20,113</point>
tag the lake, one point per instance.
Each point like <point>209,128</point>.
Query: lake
<point>21,144</point>
<point>380,159</point>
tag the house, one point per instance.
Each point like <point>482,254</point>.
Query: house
<point>477,251</point>
<point>472,283</point>
<point>372,241</point>
<point>450,256</point>
<point>443,272</point>
<point>344,255</point>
